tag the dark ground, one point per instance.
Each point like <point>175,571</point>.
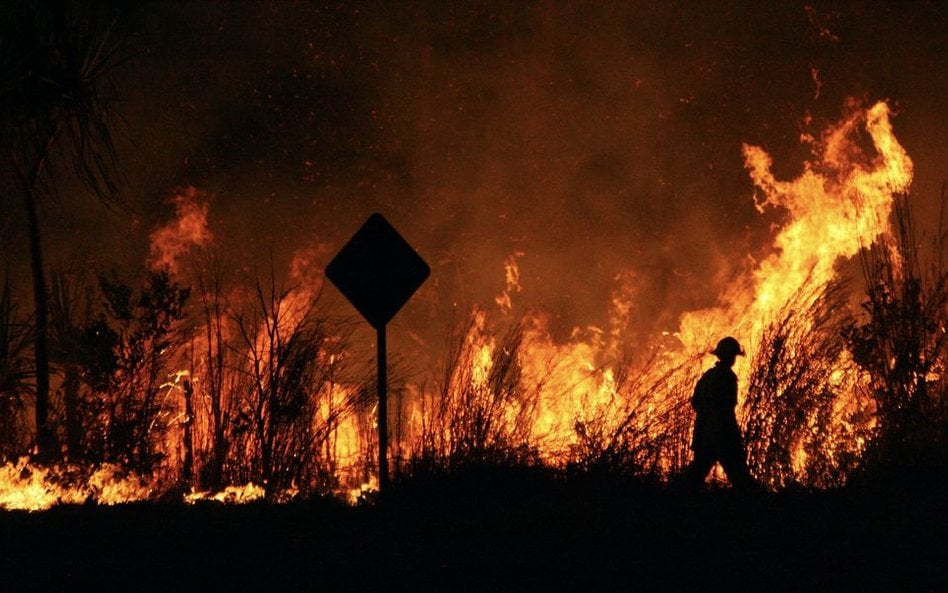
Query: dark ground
<point>520,533</point>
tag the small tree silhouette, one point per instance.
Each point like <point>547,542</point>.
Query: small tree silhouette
<point>126,351</point>
<point>288,371</point>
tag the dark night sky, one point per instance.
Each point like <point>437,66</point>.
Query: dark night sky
<point>596,138</point>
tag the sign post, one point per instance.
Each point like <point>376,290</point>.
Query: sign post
<point>378,271</point>
<point>382,358</point>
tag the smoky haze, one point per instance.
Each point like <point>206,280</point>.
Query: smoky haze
<point>600,141</point>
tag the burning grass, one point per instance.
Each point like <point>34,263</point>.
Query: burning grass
<point>26,486</point>
<point>182,393</point>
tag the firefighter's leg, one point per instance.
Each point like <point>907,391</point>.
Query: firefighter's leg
<point>698,469</point>
<point>734,462</point>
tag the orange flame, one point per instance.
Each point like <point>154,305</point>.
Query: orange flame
<point>840,204</point>
<point>27,487</point>
<point>837,206</point>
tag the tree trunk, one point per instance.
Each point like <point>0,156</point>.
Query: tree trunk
<point>71,381</point>
<point>187,472</point>
<point>44,440</point>
<point>215,383</point>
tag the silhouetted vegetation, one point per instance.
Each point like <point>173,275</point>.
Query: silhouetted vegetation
<point>482,411</point>
<point>650,439</point>
<point>288,408</point>
<point>900,344</point>
<point>133,338</point>
<point>56,115</point>
<point>203,393</point>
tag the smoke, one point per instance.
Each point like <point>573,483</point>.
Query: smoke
<point>188,229</point>
<point>601,141</point>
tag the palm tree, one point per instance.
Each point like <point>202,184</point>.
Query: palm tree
<point>55,61</point>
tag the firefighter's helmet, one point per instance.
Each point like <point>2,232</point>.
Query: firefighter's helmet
<point>728,347</point>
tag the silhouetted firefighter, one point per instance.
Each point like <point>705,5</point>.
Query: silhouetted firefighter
<point>717,437</point>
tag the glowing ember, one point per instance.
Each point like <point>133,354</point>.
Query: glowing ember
<point>231,495</point>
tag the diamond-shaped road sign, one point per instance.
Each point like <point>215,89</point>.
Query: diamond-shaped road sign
<point>377,270</point>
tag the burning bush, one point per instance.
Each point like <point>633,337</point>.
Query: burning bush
<point>899,343</point>
<point>138,333</point>
<point>288,374</point>
<point>804,420</point>
<point>647,433</point>
<point>482,411</point>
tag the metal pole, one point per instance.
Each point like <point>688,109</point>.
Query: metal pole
<point>383,410</point>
